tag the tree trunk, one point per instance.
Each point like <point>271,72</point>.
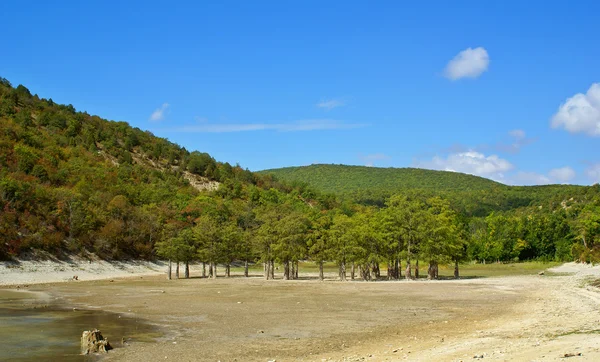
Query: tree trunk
<point>246,268</point>
<point>432,270</point>
<point>377,270</point>
<point>272,264</point>
<point>228,270</point>
<point>297,269</point>
<point>177,271</point>
<point>408,255</point>
<point>429,271</point>
<point>417,269</point>
<point>342,271</point>
<point>169,270</point>
<point>399,268</point>
<point>210,270</point>
<point>186,273</point>
<point>364,272</point>
<point>321,276</point>
<point>390,272</point>
<point>286,270</point>
<point>203,270</point>
<point>214,271</point>
<point>266,270</point>
<point>456,275</point>
<point>436,270</point>
<point>352,270</point>
<point>293,271</point>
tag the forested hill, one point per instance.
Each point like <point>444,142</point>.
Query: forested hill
<point>344,179</point>
<point>71,182</point>
<point>471,195</point>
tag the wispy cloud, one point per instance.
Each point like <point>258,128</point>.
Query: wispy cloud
<point>469,63</point>
<point>518,134</point>
<point>529,178</point>
<point>519,140</point>
<point>159,114</point>
<point>369,160</point>
<point>563,174</point>
<point>303,125</point>
<point>330,104</point>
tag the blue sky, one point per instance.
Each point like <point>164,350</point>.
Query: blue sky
<point>507,90</point>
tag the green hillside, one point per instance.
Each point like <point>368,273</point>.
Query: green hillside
<point>71,182</point>
<point>471,195</point>
<point>342,179</point>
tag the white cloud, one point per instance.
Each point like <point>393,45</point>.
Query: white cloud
<point>371,159</point>
<point>518,134</point>
<point>469,63</point>
<point>331,104</point>
<point>562,175</point>
<point>304,125</point>
<point>529,178</point>
<point>580,113</point>
<point>556,175</point>
<point>159,113</point>
<point>593,173</point>
<point>471,162</point>
<point>501,170</point>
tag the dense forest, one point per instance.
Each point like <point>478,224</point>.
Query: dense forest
<point>471,195</point>
<point>346,179</point>
<point>74,183</point>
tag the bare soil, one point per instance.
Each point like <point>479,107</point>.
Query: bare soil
<point>515,318</point>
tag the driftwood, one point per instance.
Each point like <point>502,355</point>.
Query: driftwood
<point>93,342</point>
<point>567,355</point>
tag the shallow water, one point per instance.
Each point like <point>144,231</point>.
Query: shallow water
<point>34,329</point>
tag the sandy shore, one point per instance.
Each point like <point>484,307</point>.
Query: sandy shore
<point>516,318</point>
<point>27,272</point>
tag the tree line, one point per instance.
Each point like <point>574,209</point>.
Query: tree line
<point>275,228</point>
<point>359,239</point>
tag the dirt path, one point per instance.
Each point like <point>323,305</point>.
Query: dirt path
<point>521,318</point>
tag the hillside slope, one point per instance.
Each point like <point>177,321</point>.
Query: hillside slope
<point>344,179</point>
<point>71,182</point>
<point>471,195</point>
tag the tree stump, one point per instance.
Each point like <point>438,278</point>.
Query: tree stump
<point>93,342</point>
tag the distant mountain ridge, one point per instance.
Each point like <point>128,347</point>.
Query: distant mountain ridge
<point>344,178</point>
<point>471,195</point>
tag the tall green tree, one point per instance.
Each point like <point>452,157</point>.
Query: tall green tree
<point>409,216</point>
